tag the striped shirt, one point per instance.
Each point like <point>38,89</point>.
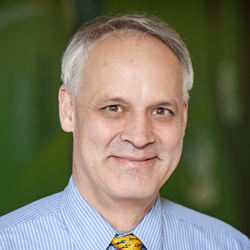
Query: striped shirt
<point>66,221</point>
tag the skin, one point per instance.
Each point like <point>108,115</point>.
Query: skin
<point>128,124</point>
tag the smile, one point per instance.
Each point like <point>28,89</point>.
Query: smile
<point>135,160</point>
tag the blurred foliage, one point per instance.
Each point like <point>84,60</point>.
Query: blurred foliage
<point>36,154</point>
<point>33,36</point>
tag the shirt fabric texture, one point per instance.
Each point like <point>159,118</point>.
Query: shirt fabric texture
<point>66,221</point>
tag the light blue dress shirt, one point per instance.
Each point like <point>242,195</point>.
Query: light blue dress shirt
<point>66,221</point>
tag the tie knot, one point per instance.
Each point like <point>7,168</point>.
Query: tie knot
<point>127,242</point>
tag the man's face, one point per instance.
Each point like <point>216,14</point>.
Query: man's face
<point>128,120</point>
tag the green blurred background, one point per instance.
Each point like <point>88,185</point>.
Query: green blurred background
<point>35,161</point>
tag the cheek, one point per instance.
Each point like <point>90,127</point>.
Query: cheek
<point>171,138</point>
<point>99,134</point>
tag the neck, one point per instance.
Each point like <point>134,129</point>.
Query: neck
<point>123,214</point>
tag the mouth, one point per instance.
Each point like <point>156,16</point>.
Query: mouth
<point>135,160</point>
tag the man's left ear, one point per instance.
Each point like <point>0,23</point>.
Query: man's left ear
<point>185,115</point>
<point>65,109</point>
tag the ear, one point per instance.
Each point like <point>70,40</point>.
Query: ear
<point>185,115</point>
<point>66,109</point>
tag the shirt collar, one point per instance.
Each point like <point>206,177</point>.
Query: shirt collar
<point>86,226</point>
<point>149,230</point>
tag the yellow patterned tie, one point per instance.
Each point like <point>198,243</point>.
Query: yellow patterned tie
<point>128,242</point>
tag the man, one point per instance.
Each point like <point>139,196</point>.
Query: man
<point>125,98</point>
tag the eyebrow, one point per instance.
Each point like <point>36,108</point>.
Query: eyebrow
<point>111,99</point>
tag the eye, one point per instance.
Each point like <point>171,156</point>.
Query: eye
<point>160,111</point>
<point>114,108</point>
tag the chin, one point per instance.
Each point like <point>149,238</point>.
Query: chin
<point>136,192</point>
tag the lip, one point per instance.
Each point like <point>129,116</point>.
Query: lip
<point>134,160</point>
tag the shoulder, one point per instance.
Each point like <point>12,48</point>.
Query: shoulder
<point>201,226</point>
<point>33,211</point>
<point>38,225</point>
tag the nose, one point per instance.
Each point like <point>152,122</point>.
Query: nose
<point>138,131</point>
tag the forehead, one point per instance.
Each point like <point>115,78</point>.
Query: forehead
<point>127,44</point>
<point>119,63</point>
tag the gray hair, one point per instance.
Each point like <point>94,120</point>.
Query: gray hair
<point>81,43</point>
